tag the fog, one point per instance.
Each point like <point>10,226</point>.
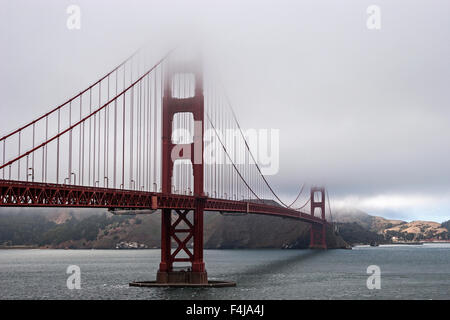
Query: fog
<point>364,112</point>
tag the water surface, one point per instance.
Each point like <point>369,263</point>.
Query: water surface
<point>407,272</point>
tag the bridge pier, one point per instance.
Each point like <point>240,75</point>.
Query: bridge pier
<point>190,224</point>
<point>318,237</point>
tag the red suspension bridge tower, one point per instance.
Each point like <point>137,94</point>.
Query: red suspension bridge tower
<point>318,231</point>
<point>193,227</point>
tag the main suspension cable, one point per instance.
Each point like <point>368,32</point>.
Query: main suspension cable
<point>251,154</point>
<point>298,196</point>
<point>229,157</point>
<point>89,116</point>
<point>71,99</point>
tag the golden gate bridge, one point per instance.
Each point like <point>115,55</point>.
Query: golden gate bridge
<point>135,140</point>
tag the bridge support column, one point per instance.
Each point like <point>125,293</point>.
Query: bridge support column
<point>318,237</point>
<point>318,230</point>
<point>185,228</point>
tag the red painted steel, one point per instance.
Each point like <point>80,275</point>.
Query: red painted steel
<point>194,153</point>
<point>71,127</point>
<point>34,194</point>
<point>70,100</point>
<point>318,232</point>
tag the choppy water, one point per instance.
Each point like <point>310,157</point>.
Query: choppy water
<point>407,272</point>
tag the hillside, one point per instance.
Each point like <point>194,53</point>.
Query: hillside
<point>359,227</point>
<point>75,229</point>
<point>61,228</point>
<point>372,223</point>
<point>417,230</point>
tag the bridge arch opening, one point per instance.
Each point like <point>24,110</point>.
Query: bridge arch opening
<point>183,85</point>
<point>317,212</point>
<point>183,177</point>
<point>318,196</point>
<point>183,128</point>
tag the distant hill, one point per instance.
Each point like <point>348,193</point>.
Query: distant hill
<point>357,226</point>
<point>86,228</point>
<point>418,230</point>
<point>372,223</point>
<point>259,231</point>
<point>99,229</point>
<point>53,229</point>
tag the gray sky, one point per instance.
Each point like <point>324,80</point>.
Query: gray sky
<point>365,112</point>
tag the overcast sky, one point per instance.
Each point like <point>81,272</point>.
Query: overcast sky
<point>365,112</point>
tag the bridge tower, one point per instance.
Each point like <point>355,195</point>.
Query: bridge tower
<point>173,218</point>
<point>318,231</point>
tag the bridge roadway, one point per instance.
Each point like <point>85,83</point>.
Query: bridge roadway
<point>34,194</point>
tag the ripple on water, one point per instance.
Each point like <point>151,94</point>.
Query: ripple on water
<point>406,273</point>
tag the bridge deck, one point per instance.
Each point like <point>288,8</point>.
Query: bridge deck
<point>33,194</point>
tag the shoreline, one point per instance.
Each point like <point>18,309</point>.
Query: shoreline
<point>237,249</point>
